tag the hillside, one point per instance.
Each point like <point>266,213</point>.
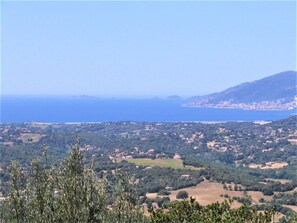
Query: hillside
<point>209,161</point>
<point>274,92</point>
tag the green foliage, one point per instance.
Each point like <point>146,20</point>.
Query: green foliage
<point>125,208</point>
<point>16,203</point>
<point>282,198</point>
<point>182,195</point>
<point>292,218</point>
<point>243,200</point>
<point>244,142</point>
<point>191,211</point>
<point>69,192</point>
<point>164,192</point>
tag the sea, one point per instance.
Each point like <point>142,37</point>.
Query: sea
<point>75,109</point>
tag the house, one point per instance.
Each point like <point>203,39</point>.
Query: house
<point>176,156</point>
<point>185,176</point>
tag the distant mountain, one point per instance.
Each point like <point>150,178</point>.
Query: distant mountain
<point>274,92</point>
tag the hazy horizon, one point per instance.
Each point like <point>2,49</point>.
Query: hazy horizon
<point>152,96</point>
<point>142,49</point>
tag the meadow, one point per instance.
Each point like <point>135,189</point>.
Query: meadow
<point>172,163</point>
<point>165,163</point>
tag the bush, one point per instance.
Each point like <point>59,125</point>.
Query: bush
<point>182,194</point>
<point>164,192</point>
<point>267,192</point>
<point>191,211</point>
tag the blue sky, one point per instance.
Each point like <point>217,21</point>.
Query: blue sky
<point>142,49</point>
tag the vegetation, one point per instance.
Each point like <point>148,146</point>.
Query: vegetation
<point>191,211</point>
<point>164,192</point>
<point>288,199</point>
<point>219,153</point>
<point>67,193</point>
<point>182,194</point>
<point>172,163</point>
<point>72,192</point>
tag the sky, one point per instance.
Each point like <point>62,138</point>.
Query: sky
<point>142,49</point>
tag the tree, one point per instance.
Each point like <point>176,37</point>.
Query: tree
<point>191,211</point>
<point>69,192</point>
<point>182,195</point>
<point>164,192</point>
<point>267,191</point>
<point>125,208</point>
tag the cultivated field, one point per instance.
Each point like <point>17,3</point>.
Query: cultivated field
<point>30,137</point>
<point>176,164</point>
<point>172,163</point>
<point>269,165</point>
<point>208,192</point>
<point>257,195</point>
<point>205,193</point>
<point>282,181</point>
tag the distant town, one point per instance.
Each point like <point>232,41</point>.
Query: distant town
<point>262,105</point>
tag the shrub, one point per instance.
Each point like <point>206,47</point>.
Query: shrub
<point>182,195</point>
<point>164,192</point>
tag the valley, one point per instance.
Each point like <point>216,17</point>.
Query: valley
<point>251,162</point>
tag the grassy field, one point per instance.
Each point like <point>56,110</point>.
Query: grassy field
<point>292,207</point>
<point>282,181</point>
<point>269,165</point>
<point>173,163</point>
<point>208,192</point>
<point>176,164</point>
<point>30,138</point>
<point>205,193</point>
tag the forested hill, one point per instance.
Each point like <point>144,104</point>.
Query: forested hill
<point>274,92</point>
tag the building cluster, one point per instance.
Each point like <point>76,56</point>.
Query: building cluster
<point>261,105</point>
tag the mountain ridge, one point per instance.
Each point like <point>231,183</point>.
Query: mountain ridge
<point>277,91</point>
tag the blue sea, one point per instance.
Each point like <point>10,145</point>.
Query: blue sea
<point>70,109</point>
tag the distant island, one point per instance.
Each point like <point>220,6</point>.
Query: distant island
<point>276,92</point>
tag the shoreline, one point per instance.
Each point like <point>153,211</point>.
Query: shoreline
<point>240,108</point>
<point>156,122</point>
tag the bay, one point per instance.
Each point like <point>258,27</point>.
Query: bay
<point>71,109</point>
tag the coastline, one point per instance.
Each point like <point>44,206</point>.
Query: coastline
<point>242,108</point>
<point>71,111</point>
